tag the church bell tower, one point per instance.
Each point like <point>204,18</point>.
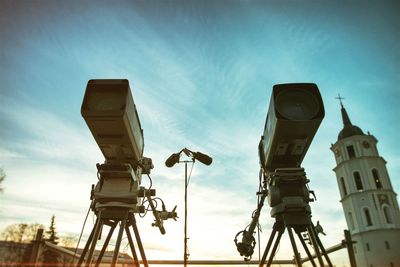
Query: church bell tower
<point>368,200</point>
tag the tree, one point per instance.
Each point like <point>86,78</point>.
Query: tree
<point>50,257</point>
<point>21,232</point>
<point>2,177</point>
<point>68,241</point>
<point>51,233</point>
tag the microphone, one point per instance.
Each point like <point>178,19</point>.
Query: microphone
<point>165,215</point>
<point>203,158</point>
<point>158,222</point>
<point>172,160</point>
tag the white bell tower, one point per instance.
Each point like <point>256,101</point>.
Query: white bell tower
<point>369,202</point>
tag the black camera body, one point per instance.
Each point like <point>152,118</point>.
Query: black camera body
<point>295,113</point>
<point>110,113</point>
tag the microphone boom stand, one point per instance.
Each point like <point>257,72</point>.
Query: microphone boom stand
<point>171,161</point>
<point>185,238</point>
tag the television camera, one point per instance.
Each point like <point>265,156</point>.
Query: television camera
<point>111,115</point>
<point>294,115</point>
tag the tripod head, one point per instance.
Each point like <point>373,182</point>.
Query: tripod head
<point>118,186</point>
<point>119,189</point>
<point>288,191</point>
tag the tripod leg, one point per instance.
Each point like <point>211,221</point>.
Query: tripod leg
<point>293,242</point>
<point>85,249</point>
<point>275,247</point>
<point>322,247</point>
<point>103,250</point>
<point>271,238</point>
<point>138,240</point>
<point>307,250</point>
<point>96,234</point>
<point>350,249</point>
<point>315,244</point>
<point>135,257</point>
<point>118,244</point>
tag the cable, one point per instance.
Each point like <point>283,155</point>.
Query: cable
<point>259,230</point>
<point>258,233</point>
<point>125,248</point>
<point>158,198</point>
<point>190,173</point>
<point>258,239</point>
<point>148,208</point>
<point>144,200</point>
<point>151,181</point>
<point>80,236</point>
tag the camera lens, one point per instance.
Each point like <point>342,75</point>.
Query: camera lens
<point>297,105</point>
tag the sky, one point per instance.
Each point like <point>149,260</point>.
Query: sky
<point>201,75</point>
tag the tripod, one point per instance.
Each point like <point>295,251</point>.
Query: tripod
<point>289,198</point>
<point>300,224</point>
<point>115,200</point>
<point>288,195</point>
<point>111,217</point>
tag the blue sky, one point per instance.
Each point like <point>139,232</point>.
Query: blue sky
<point>201,73</point>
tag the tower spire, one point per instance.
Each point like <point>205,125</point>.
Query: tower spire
<point>348,128</point>
<point>345,116</point>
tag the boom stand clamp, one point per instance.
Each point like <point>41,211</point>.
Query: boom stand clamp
<point>289,197</point>
<point>115,201</point>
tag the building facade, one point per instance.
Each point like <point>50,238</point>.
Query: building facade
<point>367,196</point>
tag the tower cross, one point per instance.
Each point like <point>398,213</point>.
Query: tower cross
<point>340,99</point>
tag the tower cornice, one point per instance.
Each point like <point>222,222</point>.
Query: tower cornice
<point>360,158</point>
<point>366,192</point>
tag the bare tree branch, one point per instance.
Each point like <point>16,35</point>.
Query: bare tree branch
<point>2,177</point>
<point>21,232</point>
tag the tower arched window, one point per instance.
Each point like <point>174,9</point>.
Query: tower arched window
<point>343,186</point>
<point>377,178</point>
<point>357,181</point>
<point>367,215</point>
<point>388,215</point>
<point>351,152</point>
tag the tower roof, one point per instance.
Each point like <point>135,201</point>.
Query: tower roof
<point>348,128</point>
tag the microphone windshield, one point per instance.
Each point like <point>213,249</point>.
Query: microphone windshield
<point>172,160</point>
<point>203,158</point>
